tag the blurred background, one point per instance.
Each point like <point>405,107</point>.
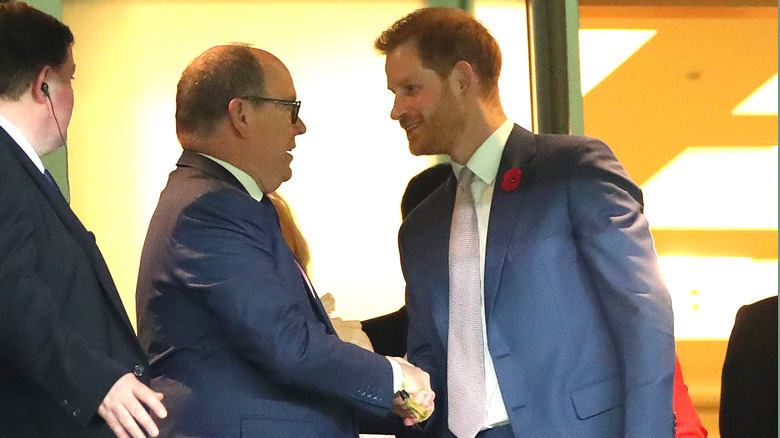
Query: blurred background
<point>685,93</point>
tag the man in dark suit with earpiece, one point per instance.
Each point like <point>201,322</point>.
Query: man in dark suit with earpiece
<point>70,364</point>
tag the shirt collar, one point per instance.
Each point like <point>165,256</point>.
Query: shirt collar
<point>485,161</point>
<point>22,141</point>
<point>247,181</point>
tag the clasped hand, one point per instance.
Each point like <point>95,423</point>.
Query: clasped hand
<point>123,410</point>
<point>417,383</point>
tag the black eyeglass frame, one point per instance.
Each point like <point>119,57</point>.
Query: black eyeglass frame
<point>295,104</point>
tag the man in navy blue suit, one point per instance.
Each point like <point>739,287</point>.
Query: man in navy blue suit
<point>237,338</point>
<point>70,364</point>
<point>574,319</point>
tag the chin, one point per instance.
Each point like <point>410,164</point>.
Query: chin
<point>418,149</point>
<point>415,148</point>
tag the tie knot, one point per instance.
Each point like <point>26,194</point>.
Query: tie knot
<point>465,177</point>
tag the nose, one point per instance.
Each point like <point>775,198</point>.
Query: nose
<point>300,127</point>
<point>397,111</point>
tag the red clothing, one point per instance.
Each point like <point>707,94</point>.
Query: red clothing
<point>688,422</point>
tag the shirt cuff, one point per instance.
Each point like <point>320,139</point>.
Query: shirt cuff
<point>398,376</point>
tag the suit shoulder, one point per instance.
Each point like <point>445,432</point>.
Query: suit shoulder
<point>573,145</point>
<point>762,311</point>
<point>228,200</point>
<point>429,205</point>
<point>16,184</point>
<point>189,188</point>
<point>767,305</point>
<point>570,156</point>
<point>230,209</point>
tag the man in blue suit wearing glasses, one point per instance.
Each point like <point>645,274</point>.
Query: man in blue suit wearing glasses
<point>237,338</point>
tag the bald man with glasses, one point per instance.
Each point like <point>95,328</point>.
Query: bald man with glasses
<point>237,338</point>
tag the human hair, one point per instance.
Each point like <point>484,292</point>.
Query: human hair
<point>443,37</point>
<point>290,231</point>
<point>29,41</point>
<point>209,83</point>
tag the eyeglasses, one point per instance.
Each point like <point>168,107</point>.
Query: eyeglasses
<point>294,104</point>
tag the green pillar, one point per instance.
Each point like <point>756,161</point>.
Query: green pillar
<point>576,117</point>
<point>466,5</point>
<point>57,161</point>
<point>553,41</point>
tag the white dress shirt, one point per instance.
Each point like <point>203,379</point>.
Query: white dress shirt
<point>484,163</point>
<point>22,141</point>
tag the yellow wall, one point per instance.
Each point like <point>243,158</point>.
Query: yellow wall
<point>129,56</point>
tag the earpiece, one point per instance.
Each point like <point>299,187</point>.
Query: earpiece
<point>45,89</point>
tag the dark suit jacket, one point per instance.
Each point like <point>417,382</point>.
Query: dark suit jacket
<point>237,342</point>
<point>65,338</point>
<point>748,395</point>
<point>387,333</point>
<point>579,322</point>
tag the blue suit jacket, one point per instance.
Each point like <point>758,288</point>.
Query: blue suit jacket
<point>579,322</point>
<point>237,343</point>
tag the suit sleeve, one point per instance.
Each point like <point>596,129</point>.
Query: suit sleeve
<point>36,341</point>
<point>614,240</point>
<point>230,253</point>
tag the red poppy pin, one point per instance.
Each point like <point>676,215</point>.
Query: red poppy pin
<point>511,179</point>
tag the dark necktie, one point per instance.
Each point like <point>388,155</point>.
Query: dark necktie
<point>51,181</point>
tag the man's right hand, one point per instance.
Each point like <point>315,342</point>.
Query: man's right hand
<point>415,379</point>
<point>123,410</point>
<point>418,384</point>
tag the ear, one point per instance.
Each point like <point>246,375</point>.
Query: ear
<point>35,88</point>
<point>238,116</point>
<point>464,77</point>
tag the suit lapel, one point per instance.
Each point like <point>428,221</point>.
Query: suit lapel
<point>437,229</point>
<point>84,238</point>
<point>318,308</point>
<point>215,170</point>
<point>505,209</point>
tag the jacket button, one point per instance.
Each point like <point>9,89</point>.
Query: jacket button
<point>64,404</point>
<point>139,370</point>
<point>76,412</point>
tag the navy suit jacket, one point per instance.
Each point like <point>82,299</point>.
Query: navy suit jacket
<point>237,343</point>
<point>579,322</point>
<point>65,338</point>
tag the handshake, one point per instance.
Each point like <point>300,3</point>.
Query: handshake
<point>414,402</point>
